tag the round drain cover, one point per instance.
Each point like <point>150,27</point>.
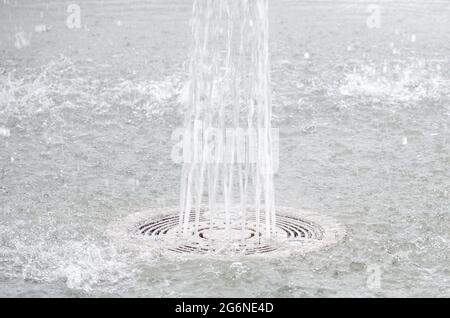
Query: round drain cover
<point>296,232</point>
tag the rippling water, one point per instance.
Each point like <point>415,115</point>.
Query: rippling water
<point>86,116</point>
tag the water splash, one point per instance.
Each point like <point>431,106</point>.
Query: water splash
<point>63,83</point>
<point>402,81</point>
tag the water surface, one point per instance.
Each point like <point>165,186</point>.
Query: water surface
<point>364,121</point>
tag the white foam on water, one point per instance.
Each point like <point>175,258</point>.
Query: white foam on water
<point>63,83</point>
<point>407,81</point>
<point>80,265</point>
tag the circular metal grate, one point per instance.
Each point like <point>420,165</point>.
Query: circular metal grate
<point>295,231</point>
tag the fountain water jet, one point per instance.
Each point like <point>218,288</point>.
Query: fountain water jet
<point>227,202</point>
<point>229,88</point>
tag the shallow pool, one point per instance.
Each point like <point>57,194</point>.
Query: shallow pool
<point>86,116</point>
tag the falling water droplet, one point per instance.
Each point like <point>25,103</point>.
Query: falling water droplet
<point>405,141</point>
<point>4,132</point>
<point>22,40</point>
<point>41,28</point>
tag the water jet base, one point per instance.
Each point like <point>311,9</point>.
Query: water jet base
<point>297,231</point>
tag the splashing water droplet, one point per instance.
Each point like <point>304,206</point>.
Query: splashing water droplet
<point>405,141</point>
<point>5,132</point>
